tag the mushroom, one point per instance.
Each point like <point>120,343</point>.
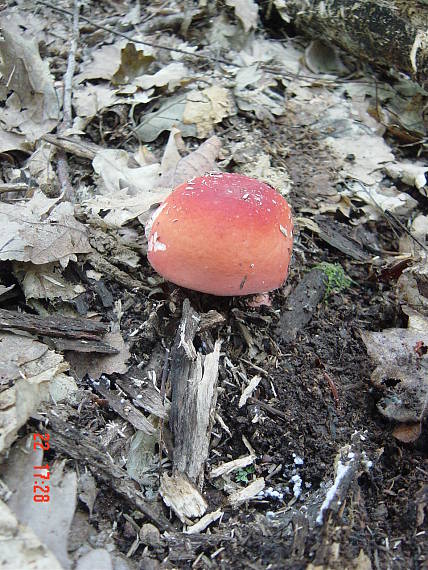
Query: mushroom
<point>224,234</point>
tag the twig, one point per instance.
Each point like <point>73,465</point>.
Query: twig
<point>333,388</point>
<point>268,408</point>
<point>13,187</point>
<point>63,174</point>
<point>75,145</point>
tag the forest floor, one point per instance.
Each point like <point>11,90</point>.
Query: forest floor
<point>313,423</point>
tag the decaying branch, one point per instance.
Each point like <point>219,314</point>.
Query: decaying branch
<point>85,448</point>
<point>384,32</point>
<point>193,381</point>
<point>52,326</point>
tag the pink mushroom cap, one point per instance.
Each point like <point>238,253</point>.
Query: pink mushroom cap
<point>224,234</point>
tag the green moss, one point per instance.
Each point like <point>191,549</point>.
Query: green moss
<point>243,474</point>
<point>336,278</point>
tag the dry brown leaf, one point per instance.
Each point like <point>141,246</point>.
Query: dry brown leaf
<point>401,372</point>
<point>28,76</point>
<point>41,231</point>
<point>407,433</point>
<point>247,11</point>
<point>28,367</point>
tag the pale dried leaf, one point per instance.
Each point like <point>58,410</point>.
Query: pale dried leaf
<point>91,99</point>
<point>165,118</point>
<point>21,548</point>
<point>208,107</point>
<point>246,11</point>
<point>112,166</point>
<point>40,166</point>
<point>120,62</point>
<point>87,490</point>
<point>12,141</point>
<point>195,114</point>
<point>52,522</point>
<point>401,372</point>
<point>30,80</point>
<point>45,282</point>
<point>410,173</point>
<point>29,367</point>
<point>197,163</point>
<point>171,76</point>
<point>29,233</point>
<point>94,559</point>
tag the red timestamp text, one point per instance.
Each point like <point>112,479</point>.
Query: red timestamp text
<point>41,472</point>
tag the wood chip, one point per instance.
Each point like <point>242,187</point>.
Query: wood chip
<point>123,407</point>
<point>230,466</point>
<point>247,493</point>
<point>204,522</point>
<point>254,382</point>
<point>179,493</point>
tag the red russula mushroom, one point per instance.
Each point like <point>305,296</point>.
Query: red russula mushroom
<point>224,234</point>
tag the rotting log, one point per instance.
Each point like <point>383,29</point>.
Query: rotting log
<point>389,33</point>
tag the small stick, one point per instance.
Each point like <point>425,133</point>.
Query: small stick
<point>13,187</point>
<point>333,388</point>
<point>63,174</point>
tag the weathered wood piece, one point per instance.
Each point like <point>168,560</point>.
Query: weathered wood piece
<point>143,395</point>
<point>55,326</point>
<point>301,304</point>
<point>338,236</point>
<point>383,32</point>
<point>184,547</point>
<point>73,145</point>
<point>86,449</point>
<point>123,407</point>
<point>194,394</point>
<point>182,496</point>
<point>103,266</point>
<point>80,345</point>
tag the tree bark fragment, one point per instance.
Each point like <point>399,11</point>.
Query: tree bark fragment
<point>390,33</point>
<point>194,395</point>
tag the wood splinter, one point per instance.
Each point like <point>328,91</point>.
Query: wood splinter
<point>193,379</point>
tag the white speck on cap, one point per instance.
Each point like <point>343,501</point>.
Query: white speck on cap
<point>154,243</point>
<point>283,230</point>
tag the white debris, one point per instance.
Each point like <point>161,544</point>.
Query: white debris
<point>341,471</point>
<point>297,485</point>
<point>297,460</point>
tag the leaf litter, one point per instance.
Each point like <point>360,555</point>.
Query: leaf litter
<point>348,393</point>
